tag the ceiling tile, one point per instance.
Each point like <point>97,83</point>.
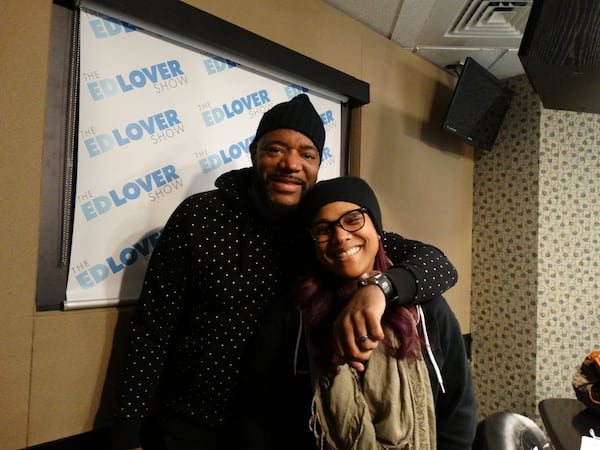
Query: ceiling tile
<point>411,20</point>
<point>378,15</point>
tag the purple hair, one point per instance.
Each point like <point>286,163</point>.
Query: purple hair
<point>321,298</point>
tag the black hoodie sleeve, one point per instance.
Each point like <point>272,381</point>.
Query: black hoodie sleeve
<point>456,409</point>
<point>420,272</point>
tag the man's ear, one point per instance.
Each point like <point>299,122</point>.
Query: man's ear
<point>253,152</point>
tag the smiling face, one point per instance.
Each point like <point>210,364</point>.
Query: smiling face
<point>346,254</point>
<point>286,164</point>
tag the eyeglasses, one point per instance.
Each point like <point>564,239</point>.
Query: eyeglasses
<point>351,221</point>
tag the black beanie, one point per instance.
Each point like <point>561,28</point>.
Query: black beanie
<point>297,114</point>
<point>342,189</point>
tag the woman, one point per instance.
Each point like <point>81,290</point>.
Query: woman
<point>416,392</point>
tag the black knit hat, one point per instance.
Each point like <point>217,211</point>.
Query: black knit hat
<point>342,189</point>
<point>297,114</point>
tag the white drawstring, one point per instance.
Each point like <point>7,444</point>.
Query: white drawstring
<point>429,351</point>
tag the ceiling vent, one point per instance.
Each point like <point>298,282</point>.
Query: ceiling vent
<point>488,19</point>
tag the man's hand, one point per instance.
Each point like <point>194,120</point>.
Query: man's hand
<point>361,317</point>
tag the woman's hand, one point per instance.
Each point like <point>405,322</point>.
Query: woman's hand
<point>357,330</point>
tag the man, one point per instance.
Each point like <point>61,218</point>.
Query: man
<point>223,258</point>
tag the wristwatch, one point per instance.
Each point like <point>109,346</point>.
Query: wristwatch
<point>380,280</point>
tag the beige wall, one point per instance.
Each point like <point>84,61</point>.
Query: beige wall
<point>23,72</point>
<point>55,364</point>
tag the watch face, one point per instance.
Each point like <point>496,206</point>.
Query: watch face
<point>370,275</point>
<point>376,278</point>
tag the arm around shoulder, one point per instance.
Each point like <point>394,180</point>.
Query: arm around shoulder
<point>420,271</point>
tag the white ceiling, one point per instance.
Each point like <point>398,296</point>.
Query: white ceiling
<point>445,32</point>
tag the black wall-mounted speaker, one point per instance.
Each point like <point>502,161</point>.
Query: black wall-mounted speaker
<point>560,53</point>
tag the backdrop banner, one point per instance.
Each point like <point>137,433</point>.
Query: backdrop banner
<point>158,122</point>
